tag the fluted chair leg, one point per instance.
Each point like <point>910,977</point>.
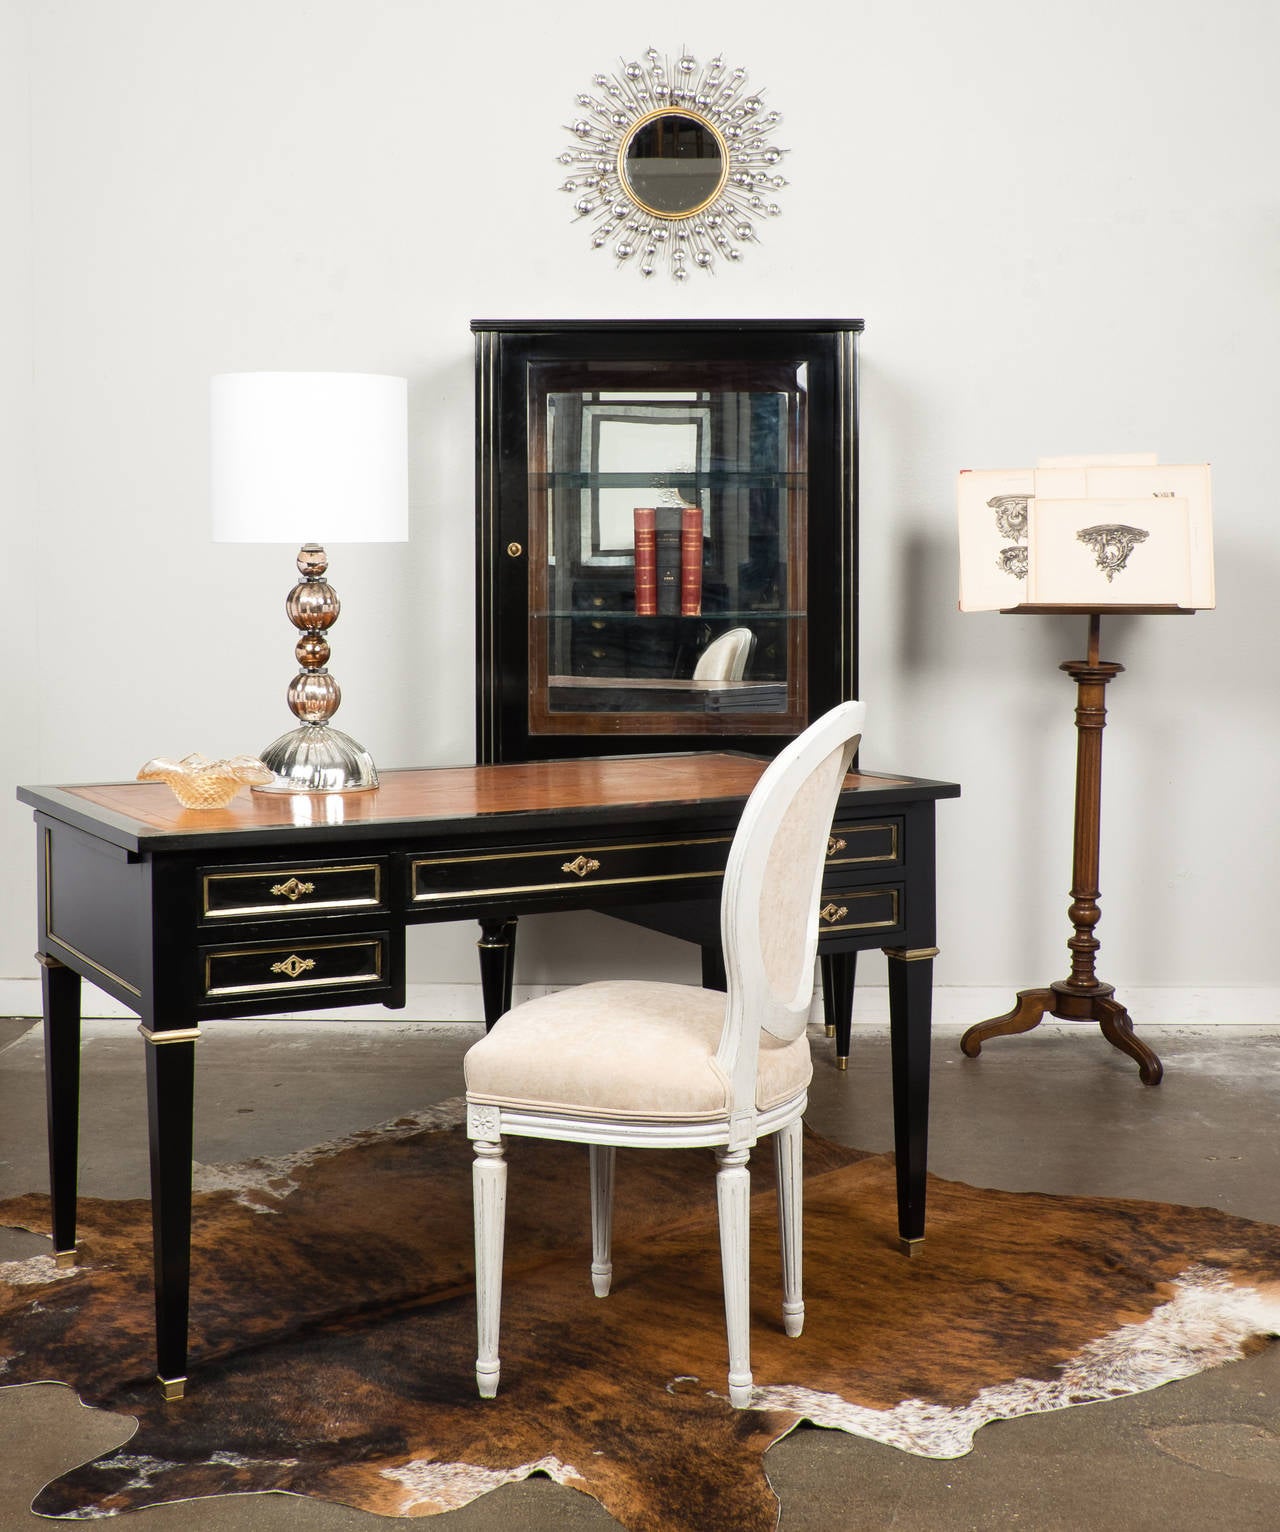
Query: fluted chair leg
<point>489,1199</point>
<point>733,1198</point>
<point>788,1170</point>
<point>602,1156</point>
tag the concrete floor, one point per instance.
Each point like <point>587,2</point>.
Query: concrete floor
<point>1056,1111</point>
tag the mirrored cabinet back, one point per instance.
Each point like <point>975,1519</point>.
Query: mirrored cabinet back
<point>666,539</point>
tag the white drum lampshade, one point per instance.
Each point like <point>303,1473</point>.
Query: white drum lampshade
<point>311,458</point>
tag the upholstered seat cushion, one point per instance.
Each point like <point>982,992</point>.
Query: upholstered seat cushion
<point>630,1049</point>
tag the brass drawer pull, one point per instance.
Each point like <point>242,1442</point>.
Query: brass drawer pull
<point>292,889</point>
<point>293,965</point>
<point>581,865</point>
<point>836,843</point>
<point>833,912</point>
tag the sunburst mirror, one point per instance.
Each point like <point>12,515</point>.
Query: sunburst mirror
<point>673,163</point>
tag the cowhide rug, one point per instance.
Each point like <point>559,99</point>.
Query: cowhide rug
<point>332,1326</point>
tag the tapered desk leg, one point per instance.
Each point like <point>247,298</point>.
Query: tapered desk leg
<point>839,970</point>
<point>497,949</point>
<point>61,993</point>
<point>910,1017</point>
<point>171,1060</point>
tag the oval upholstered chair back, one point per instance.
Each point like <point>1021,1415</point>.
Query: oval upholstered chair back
<point>773,880</point>
<point>725,658</point>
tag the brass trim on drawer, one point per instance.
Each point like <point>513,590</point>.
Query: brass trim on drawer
<point>293,962</point>
<point>843,834</point>
<point>834,911</point>
<point>570,868</point>
<point>290,889</point>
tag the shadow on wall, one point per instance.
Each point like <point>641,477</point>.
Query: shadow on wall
<point>1193,713</point>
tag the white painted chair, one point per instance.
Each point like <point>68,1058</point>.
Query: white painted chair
<point>725,658</point>
<point>672,1066</point>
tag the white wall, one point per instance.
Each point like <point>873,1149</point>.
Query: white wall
<point>20,604</point>
<point>1060,224</point>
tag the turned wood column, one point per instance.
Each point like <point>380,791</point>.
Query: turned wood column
<point>1091,677</point>
<point>1081,996</point>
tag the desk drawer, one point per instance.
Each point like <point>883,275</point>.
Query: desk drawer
<point>249,893</point>
<point>646,865</point>
<point>245,970</point>
<point>849,911</point>
<point>852,846</point>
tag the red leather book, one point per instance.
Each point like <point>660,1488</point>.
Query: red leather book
<point>645,521</point>
<point>691,561</point>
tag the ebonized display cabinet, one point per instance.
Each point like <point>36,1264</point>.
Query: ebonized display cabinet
<point>750,426</point>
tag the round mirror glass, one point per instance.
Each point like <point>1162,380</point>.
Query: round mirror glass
<point>673,163</point>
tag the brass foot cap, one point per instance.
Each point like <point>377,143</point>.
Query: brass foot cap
<point>172,1389</point>
<point>831,1031</point>
<point>842,1061</point>
<point>910,1247</point>
<point>63,1259</point>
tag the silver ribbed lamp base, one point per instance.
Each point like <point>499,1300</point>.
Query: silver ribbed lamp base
<point>318,759</point>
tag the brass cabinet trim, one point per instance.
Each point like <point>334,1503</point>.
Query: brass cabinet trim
<point>156,1036</point>
<point>66,946</point>
<point>894,895</point>
<point>835,843</point>
<point>911,954</point>
<point>211,992</point>
<point>289,875</point>
<point>551,853</point>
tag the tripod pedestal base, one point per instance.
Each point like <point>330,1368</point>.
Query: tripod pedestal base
<point>1067,1002</point>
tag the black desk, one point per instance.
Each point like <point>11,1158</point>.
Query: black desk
<point>291,903</point>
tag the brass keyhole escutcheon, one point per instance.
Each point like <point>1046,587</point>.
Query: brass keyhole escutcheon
<point>833,912</point>
<point>581,865</point>
<point>514,550</point>
<point>836,843</point>
<point>292,889</point>
<point>293,965</point>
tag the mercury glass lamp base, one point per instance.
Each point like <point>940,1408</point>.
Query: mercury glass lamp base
<point>318,759</point>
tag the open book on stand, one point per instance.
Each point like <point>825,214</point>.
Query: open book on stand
<point>1087,532</point>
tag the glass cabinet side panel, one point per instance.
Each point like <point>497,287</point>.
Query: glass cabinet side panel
<point>667,548</point>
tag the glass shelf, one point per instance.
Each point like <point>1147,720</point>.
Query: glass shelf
<point>628,614</point>
<point>711,480</point>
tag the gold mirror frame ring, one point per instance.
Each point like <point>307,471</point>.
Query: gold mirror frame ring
<point>673,111</point>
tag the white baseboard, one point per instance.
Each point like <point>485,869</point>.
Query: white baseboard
<point>954,1006</point>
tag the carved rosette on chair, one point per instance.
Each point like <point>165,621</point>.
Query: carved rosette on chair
<point>316,756</point>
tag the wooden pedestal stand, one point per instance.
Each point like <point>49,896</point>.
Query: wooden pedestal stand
<point>1081,996</point>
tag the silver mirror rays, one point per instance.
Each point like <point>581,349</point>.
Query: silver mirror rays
<point>673,164</point>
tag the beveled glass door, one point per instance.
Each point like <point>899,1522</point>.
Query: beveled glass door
<point>667,549</point>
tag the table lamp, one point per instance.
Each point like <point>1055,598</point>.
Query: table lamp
<point>310,458</point>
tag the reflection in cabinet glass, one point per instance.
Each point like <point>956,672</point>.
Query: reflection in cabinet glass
<point>667,533</point>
